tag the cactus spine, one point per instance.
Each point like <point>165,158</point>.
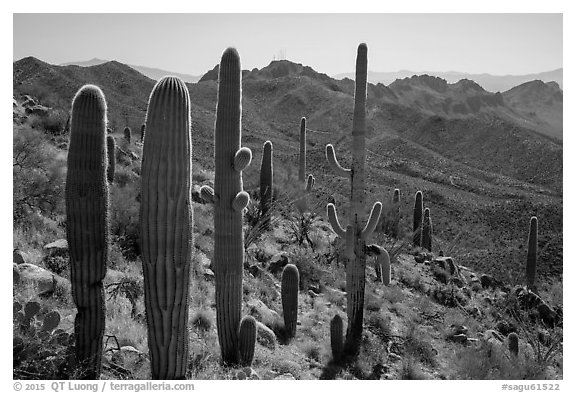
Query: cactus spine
<point>111,146</point>
<point>513,344</point>
<point>247,340</point>
<point>427,231</point>
<point>166,224</point>
<point>355,234</point>
<point>532,254</point>
<point>229,202</point>
<point>127,134</point>
<point>417,225</point>
<point>336,339</point>
<point>266,178</point>
<point>87,225</point>
<point>290,283</point>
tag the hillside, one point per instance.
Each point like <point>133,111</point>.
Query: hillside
<point>482,176</point>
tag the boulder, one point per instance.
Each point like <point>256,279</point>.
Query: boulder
<point>128,357</point>
<point>278,262</point>
<point>265,336</point>
<point>487,281</point>
<point>18,257</point>
<point>196,197</point>
<point>15,274</point>
<point>57,247</point>
<point>547,314</point>
<point>45,281</point>
<point>39,110</point>
<point>459,338</point>
<point>262,313</point>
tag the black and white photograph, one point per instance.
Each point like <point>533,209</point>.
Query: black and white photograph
<point>287,196</point>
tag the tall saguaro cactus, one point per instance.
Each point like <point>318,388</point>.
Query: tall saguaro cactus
<point>356,233</point>
<point>111,147</point>
<point>427,230</point>
<point>532,254</point>
<point>87,225</point>
<point>166,225</point>
<point>266,178</point>
<point>229,201</point>
<point>417,224</point>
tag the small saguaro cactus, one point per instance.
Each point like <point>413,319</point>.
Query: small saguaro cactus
<point>111,146</point>
<point>247,340</point>
<point>266,178</point>
<point>336,338</point>
<point>381,263</point>
<point>290,283</point>
<point>356,234</point>
<point>166,225</point>
<point>87,225</point>
<point>396,213</point>
<point>427,230</point>
<point>229,201</point>
<point>128,134</point>
<point>417,225</point>
<point>513,344</point>
<point>532,254</point>
<point>142,132</point>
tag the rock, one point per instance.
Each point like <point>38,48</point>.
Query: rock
<point>287,376</point>
<point>312,293</point>
<point>394,357</point>
<point>128,357</point>
<point>266,336</point>
<point>487,281</point>
<point>39,110</point>
<point>493,337</point>
<point>250,373</point>
<point>256,271</point>
<point>134,156</point>
<point>527,298</point>
<point>15,274</point>
<point>60,244</point>
<point>19,257</point>
<point>547,314</point>
<point>29,101</point>
<point>240,375</point>
<point>457,281</point>
<point>278,262</point>
<point>459,329</point>
<point>45,281</point>
<point>262,313</point>
<point>270,374</point>
<point>314,288</point>
<point>459,338</point>
<point>446,263</point>
<point>505,328</point>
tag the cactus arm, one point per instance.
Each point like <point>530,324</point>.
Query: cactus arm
<point>207,194</point>
<point>372,221</point>
<point>310,183</point>
<point>242,159</point>
<point>331,157</point>
<point>240,201</point>
<point>333,219</point>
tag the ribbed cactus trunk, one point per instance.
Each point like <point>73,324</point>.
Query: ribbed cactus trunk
<point>166,225</point>
<point>417,222</point>
<point>427,231</point>
<point>302,180</point>
<point>266,179</point>
<point>336,338</point>
<point>229,202</point>
<point>127,134</point>
<point>142,132</point>
<point>87,225</point>
<point>111,147</point>
<point>290,283</point>
<point>356,233</point>
<point>532,254</point>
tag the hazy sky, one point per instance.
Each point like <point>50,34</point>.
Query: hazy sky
<point>192,43</point>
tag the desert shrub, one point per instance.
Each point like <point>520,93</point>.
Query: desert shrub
<point>124,213</point>
<point>449,295</point>
<point>379,324</point>
<point>38,176</point>
<point>131,287</point>
<point>57,264</point>
<point>410,370</point>
<point>54,121</point>
<point>201,321</point>
<point>415,344</point>
<point>300,227</point>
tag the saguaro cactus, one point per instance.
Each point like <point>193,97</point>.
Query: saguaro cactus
<point>427,231</point>
<point>247,340</point>
<point>266,178</point>
<point>417,225</point>
<point>229,202</point>
<point>306,183</point>
<point>336,338</point>
<point>532,254</point>
<point>111,146</point>
<point>356,234</point>
<point>127,134</point>
<point>87,225</point>
<point>513,344</point>
<point>290,283</point>
<point>166,225</point>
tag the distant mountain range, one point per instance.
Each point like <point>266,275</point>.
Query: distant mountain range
<point>492,83</point>
<point>152,73</point>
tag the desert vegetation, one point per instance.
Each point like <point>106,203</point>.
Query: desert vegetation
<point>134,260</point>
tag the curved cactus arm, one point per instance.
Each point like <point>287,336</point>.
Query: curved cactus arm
<point>372,221</point>
<point>242,159</point>
<point>240,201</point>
<point>331,157</point>
<point>333,219</point>
<point>207,194</point>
